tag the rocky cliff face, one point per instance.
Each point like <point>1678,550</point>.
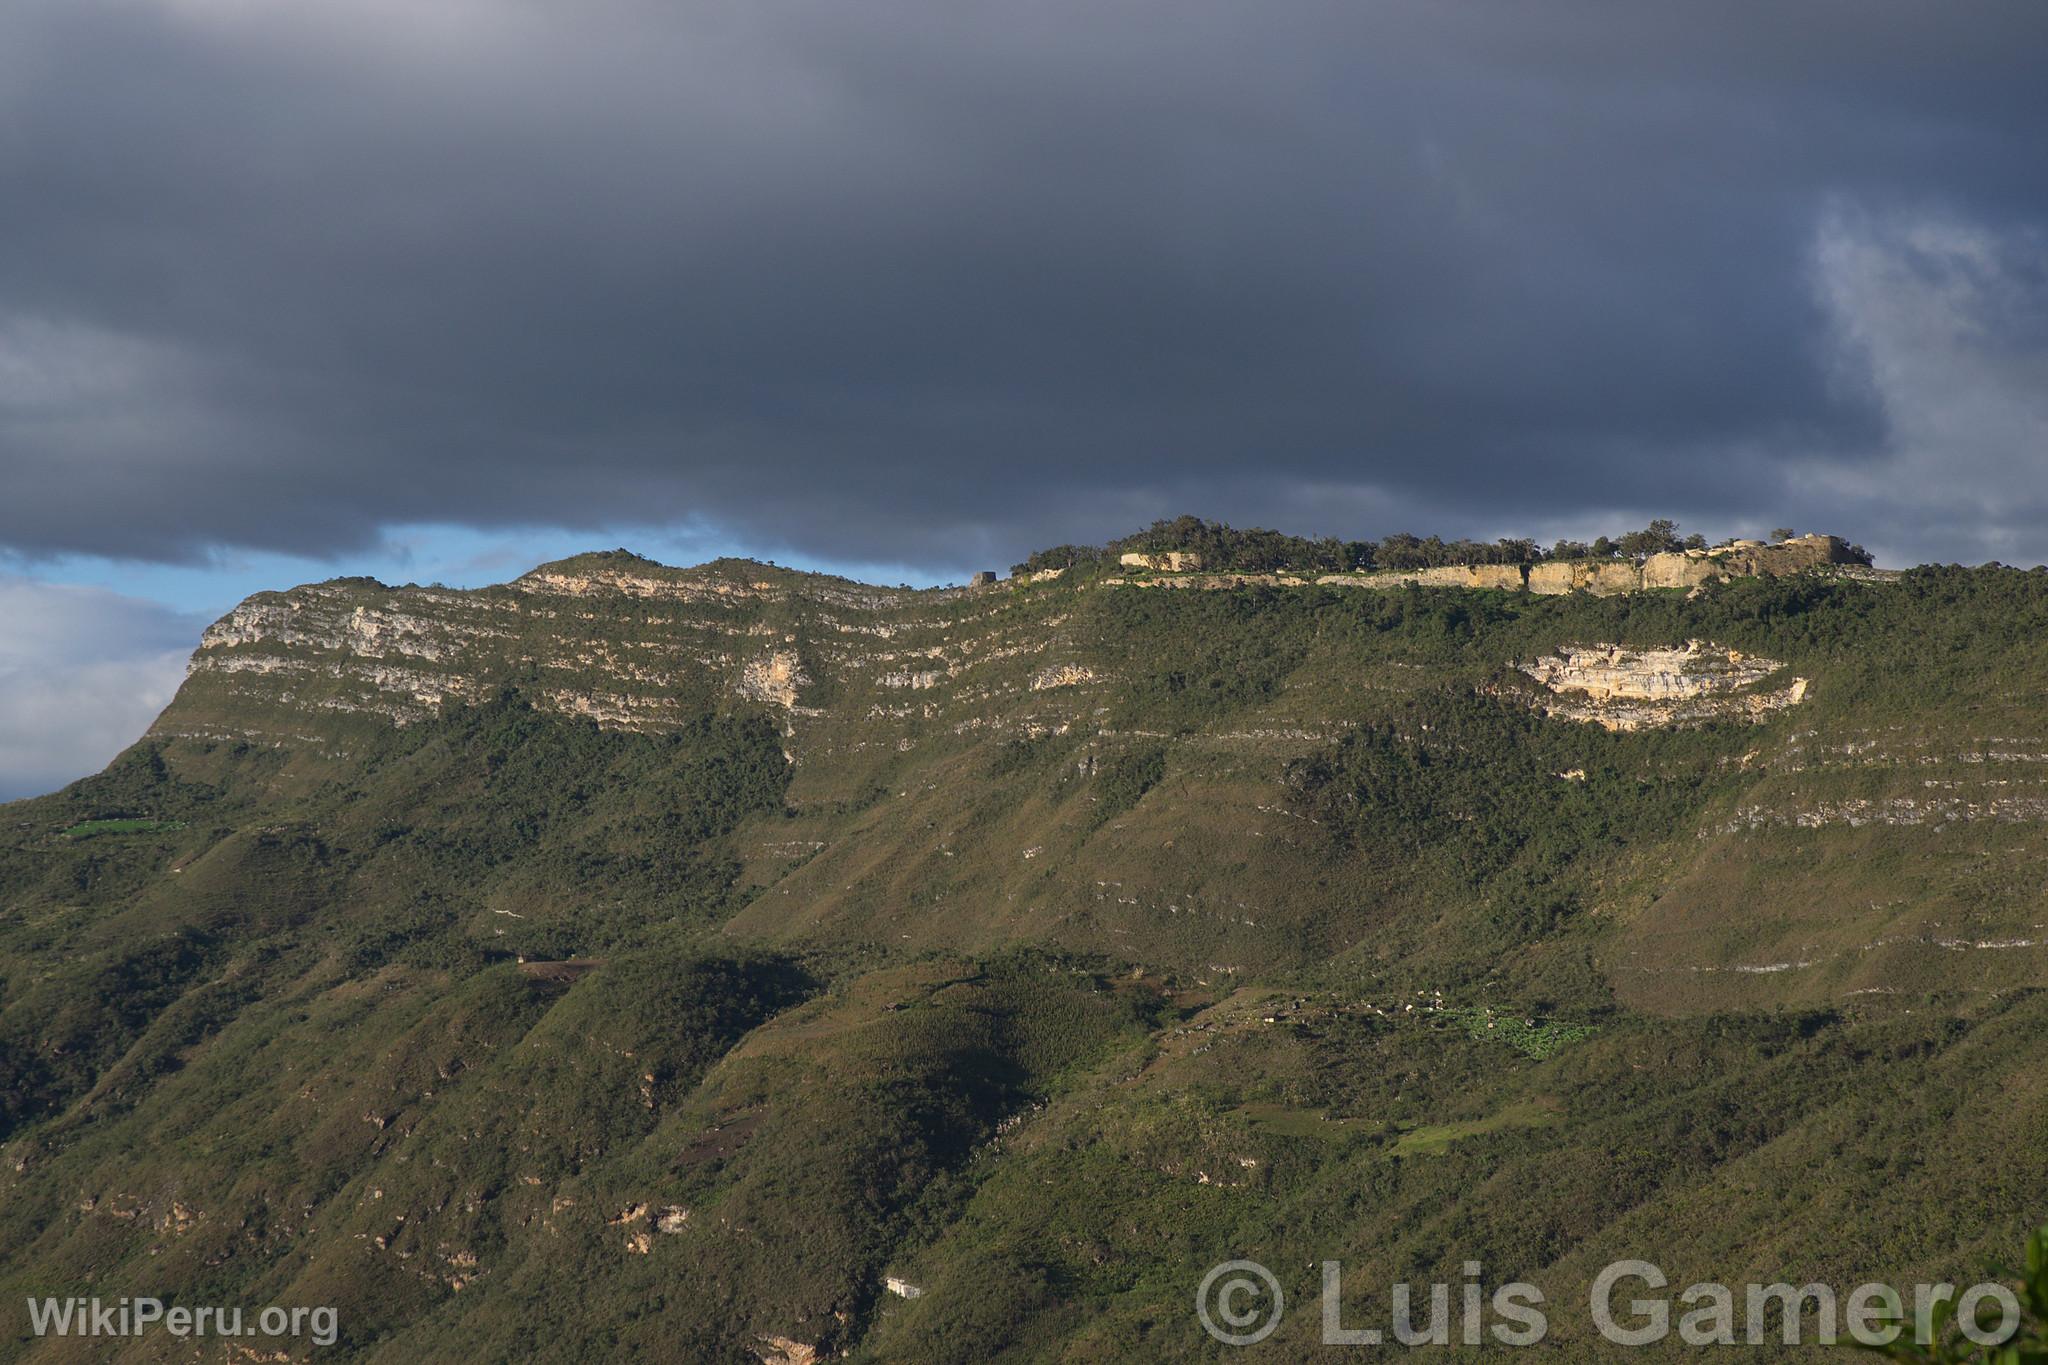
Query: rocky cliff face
<point>632,645</point>
<point>1602,578</point>
<point>1630,689</point>
<point>961,763</point>
<point>636,645</point>
<point>1171,561</point>
<point>1691,568</point>
<point>1502,576</point>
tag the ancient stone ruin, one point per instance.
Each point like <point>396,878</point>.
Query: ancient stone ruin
<point>1600,577</point>
<point>1170,561</point>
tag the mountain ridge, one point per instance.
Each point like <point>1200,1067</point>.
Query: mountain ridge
<point>903,690</point>
<point>378,621</point>
<point>699,957</point>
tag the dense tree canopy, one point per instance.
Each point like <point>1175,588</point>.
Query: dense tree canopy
<point>1225,548</point>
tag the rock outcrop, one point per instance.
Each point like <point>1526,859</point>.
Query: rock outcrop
<point>1600,577</point>
<point>1632,689</point>
<point>1786,556</point>
<point>1169,561</point>
<point>1507,576</point>
<point>635,645</point>
<point>1691,568</point>
<point>776,678</point>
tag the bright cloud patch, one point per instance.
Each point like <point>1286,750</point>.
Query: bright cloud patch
<point>82,673</point>
<point>1942,320</point>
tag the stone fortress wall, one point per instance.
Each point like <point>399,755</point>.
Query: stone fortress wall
<point>1601,577</point>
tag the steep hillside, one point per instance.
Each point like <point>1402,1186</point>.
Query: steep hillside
<point>1120,771</point>
<point>664,960</point>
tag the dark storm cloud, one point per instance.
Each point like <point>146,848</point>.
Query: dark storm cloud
<point>934,282</point>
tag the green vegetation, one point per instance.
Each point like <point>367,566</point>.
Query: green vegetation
<point>1253,551</point>
<point>1044,950</point>
<point>87,829</point>
<point>1124,779</point>
<point>1942,1340</point>
<point>1435,1139</point>
<point>1224,548</point>
<point>1286,1120</point>
<point>1059,557</point>
<point>1537,1038</point>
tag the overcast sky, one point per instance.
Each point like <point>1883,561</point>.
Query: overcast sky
<point>291,288</point>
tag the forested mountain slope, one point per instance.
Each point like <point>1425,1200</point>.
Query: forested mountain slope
<point>641,958</point>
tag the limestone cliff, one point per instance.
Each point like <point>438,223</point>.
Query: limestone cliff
<point>1171,561</point>
<point>1691,568</point>
<point>1599,577</point>
<point>632,645</point>
<point>637,645</point>
<point>1631,689</point>
<point>1506,576</point>
<point>961,762</point>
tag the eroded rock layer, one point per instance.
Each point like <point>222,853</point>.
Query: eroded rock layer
<point>1628,689</point>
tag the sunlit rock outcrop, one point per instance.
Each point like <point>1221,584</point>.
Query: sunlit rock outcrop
<point>1631,689</point>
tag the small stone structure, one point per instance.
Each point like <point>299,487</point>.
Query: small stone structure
<point>984,579</point>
